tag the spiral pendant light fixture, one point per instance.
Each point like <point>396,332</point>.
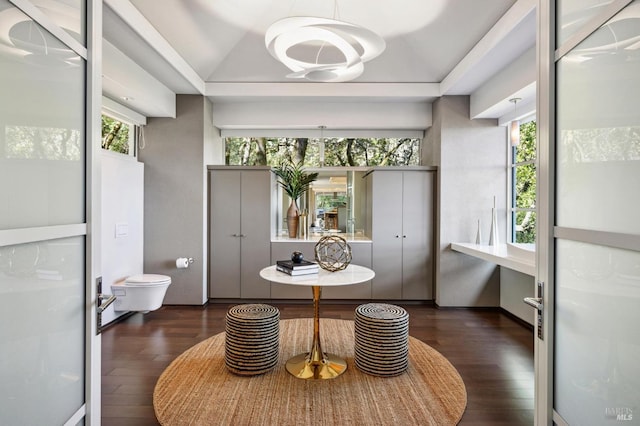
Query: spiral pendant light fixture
<point>356,45</point>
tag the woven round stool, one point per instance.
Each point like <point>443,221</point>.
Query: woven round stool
<point>251,339</point>
<point>381,339</point>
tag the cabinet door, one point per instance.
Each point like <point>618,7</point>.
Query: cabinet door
<point>255,254</point>
<point>386,230</point>
<point>417,235</point>
<point>224,244</point>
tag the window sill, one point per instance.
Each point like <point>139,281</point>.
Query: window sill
<point>505,255</point>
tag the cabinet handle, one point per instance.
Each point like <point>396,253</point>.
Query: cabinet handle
<point>397,236</point>
<point>404,236</point>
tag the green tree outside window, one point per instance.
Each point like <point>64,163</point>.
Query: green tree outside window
<point>115,135</point>
<point>524,185</point>
<point>338,152</point>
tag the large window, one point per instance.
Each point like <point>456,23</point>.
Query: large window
<point>523,188</point>
<point>318,152</point>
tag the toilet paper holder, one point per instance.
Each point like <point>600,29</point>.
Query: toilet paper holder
<point>183,262</point>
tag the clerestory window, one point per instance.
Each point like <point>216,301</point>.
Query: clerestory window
<point>320,152</point>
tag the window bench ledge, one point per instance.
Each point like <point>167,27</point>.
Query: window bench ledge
<point>499,255</point>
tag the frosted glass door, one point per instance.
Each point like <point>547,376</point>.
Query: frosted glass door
<point>572,14</point>
<point>43,300</point>
<point>597,368</point>
<point>597,264</point>
<point>42,331</point>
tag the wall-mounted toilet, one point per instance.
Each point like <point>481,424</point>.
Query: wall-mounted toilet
<point>142,292</point>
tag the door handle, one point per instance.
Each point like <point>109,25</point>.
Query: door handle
<point>538,303</point>
<point>102,306</point>
<point>535,302</point>
<point>107,301</point>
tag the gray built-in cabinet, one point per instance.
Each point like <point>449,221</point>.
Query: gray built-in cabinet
<point>400,221</point>
<point>239,232</point>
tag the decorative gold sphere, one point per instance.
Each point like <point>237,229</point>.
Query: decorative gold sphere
<point>333,253</point>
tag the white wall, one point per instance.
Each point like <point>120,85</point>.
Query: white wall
<point>123,207</point>
<point>334,115</point>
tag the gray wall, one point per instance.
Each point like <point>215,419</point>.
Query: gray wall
<point>471,156</point>
<point>175,158</point>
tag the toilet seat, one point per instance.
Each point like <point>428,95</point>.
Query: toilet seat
<point>147,280</point>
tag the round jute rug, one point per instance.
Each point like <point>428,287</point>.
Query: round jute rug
<point>197,389</point>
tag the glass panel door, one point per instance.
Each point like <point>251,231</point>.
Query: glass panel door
<point>597,374</point>
<point>42,331</point>
<point>597,244</point>
<point>43,291</point>
<point>572,14</point>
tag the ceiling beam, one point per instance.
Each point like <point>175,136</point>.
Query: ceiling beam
<point>492,98</point>
<point>124,81</point>
<point>132,16</point>
<point>496,34</point>
<point>310,114</point>
<point>417,92</point>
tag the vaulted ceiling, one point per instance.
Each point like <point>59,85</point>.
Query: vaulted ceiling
<point>481,48</point>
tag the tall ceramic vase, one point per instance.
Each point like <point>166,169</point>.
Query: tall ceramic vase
<point>293,217</point>
<point>493,234</point>
<point>478,234</point>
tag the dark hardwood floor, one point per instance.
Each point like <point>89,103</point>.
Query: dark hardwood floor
<point>492,352</point>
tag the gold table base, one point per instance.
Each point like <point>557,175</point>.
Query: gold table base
<point>316,364</point>
<point>331,366</point>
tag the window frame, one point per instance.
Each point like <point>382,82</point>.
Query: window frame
<point>318,151</point>
<point>133,134</point>
<point>512,184</point>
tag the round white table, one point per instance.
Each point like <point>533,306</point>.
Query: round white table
<point>316,364</point>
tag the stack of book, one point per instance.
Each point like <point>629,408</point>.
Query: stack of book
<point>302,268</point>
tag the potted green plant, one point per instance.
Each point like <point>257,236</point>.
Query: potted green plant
<point>294,181</point>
